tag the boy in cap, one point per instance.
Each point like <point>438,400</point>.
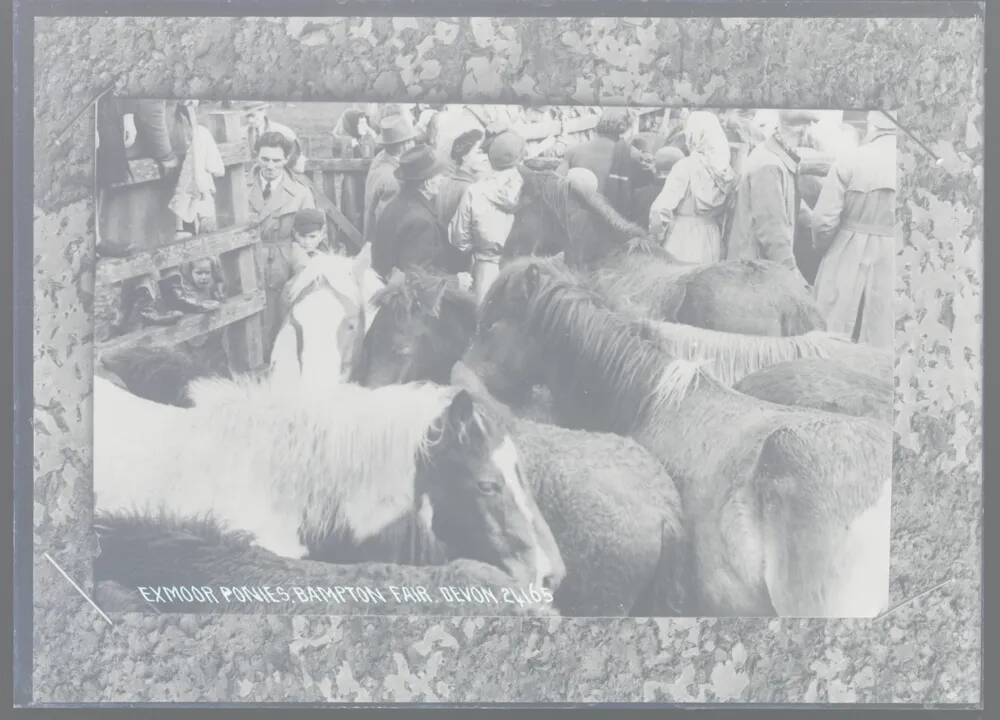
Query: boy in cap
<point>309,237</point>
<point>396,136</point>
<point>408,233</point>
<point>485,213</point>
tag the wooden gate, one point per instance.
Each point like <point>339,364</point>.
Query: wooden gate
<point>140,207</point>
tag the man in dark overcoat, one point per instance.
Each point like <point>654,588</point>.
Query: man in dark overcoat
<point>409,233</point>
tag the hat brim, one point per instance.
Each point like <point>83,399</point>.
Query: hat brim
<point>381,139</point>
<point>437,168</point>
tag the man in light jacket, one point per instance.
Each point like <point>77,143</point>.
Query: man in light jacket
<point>485,214</point>
<point>854,222</point>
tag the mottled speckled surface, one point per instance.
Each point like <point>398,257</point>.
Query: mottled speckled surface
<point>926,651</point>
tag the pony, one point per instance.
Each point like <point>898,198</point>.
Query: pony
<point>333,475</point>
<point>757,297</point>
<point>612,508</point>
<point>788,509</point>
<point>157,373</point>
<point>824,385</point>
<point>164,553</point>
<point>326,308</point>
<point>751,297</point>
<point>730,357</point>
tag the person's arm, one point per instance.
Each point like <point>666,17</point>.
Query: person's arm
<point>460,229</point>
<point>661,212</point>
<point>829,206</point>
<point>772,228</point>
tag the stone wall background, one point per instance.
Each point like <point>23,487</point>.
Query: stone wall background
<point>925,651</point>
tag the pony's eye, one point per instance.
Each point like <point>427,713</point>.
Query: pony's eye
<point>488,487</point>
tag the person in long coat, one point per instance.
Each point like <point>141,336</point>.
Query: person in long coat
<point>469,164</point>
<point>766,205</point>
<point>408,234</point>
<point>855,218</point>
<point>396,136</point>
<point>687,214</point>
<point>274,196</point>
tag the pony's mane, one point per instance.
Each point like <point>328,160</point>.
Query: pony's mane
<point>610,349</point>
<point>348,456</point>
<point>732,356</point>
<point>324,267</point>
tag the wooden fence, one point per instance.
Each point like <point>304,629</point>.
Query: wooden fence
<point>137,209</point>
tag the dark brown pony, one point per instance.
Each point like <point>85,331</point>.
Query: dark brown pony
<point>751,297</point>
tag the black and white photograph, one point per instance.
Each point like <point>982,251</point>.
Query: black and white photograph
<point>552,358</point>
<point>474,359</point>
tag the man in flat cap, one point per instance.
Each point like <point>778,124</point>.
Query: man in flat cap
<point>396,136</point>
<point>762,225</point>
<point>408,233</point>
<point>854,224</point>
<point>485,215</point>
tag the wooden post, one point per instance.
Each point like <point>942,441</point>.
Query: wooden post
<point>245,338</point>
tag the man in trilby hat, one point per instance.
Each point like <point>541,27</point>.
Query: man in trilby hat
<point>396,136</point>
<point>408,233</point>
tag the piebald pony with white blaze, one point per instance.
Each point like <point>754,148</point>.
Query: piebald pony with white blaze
<point>328,310</point>
<point>288,464</point>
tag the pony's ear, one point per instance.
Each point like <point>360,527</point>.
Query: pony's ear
<point>532,278</point>
<point>461,410</point>
<point>560,258</point>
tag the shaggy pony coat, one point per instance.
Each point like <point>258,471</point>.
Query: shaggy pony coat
<point>788,509</point>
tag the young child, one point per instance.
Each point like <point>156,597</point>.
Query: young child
<point>309,237</point>
<point>203,278</point>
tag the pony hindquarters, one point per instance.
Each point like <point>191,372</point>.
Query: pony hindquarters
<point>825,496</point>
<point>823,385</point>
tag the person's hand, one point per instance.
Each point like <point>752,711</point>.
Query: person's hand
<point>130,132</point>
<point>464,280</point>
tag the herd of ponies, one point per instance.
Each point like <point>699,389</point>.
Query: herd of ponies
<point>610,433</point>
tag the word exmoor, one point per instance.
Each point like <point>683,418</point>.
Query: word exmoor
<point>339,594</point>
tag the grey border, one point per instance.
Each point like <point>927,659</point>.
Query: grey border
<point>21,289</point>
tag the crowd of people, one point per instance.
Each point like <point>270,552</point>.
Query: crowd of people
<point>708,187</point>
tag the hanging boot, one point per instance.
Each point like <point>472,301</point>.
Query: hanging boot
<point>181,298</point>
<point>148,313</point>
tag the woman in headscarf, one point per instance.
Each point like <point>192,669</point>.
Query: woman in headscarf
<point>687,215</point>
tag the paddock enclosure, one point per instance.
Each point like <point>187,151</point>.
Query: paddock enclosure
<point>601,492</point>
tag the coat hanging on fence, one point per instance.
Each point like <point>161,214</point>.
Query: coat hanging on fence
<point>194,198</point>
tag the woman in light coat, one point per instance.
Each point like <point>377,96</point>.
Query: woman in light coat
<point>687,214</point>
